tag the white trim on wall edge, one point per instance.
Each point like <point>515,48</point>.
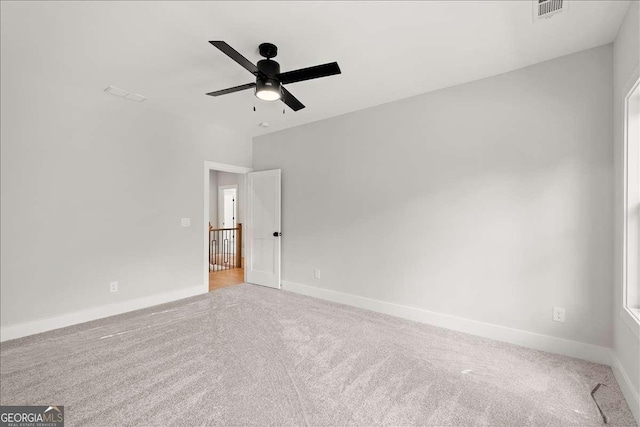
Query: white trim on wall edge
<point>589,352</point>
<point>19,330</point>
<point>630,321</point>
<point>630,394</point>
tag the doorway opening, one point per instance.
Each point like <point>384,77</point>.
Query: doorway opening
<point>225,195</point>
<point>258,196</point>
<point>226,239</point>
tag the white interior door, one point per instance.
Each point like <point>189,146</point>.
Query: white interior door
<point>263,234</point>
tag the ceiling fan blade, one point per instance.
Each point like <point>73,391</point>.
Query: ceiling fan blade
<point>291,100</point>
<point>232,89</point>
<point>235,55</point>
<point>309,73</point>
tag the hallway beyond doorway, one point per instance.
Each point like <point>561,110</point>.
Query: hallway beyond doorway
<point>225,189</point>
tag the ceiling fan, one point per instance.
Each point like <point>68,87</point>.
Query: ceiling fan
<point>269,79</point>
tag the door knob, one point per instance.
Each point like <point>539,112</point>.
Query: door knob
<point>276,234</point>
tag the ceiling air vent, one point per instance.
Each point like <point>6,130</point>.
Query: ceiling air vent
<point>543,9</point>
<point>125,94</point>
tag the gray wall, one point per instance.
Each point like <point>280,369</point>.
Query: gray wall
<point>93,189</point>
<point>489,200</point>
<point>626,53</point>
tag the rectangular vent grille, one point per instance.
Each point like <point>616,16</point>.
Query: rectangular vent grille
<point>546,8</point>
<point>125,94</point>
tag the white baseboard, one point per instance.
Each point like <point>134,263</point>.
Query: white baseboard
<point>629,392</point>
<point>589,352</point>
<point>19,330</point>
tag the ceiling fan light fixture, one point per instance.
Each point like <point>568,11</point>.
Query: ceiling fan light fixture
<point>268,89</point>
<point>269,79</point>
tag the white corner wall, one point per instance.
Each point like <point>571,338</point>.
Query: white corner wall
<point>626,345</point>
<point>93,190</point>
<point>489,201</point>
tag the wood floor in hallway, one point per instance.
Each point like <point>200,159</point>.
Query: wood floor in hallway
<point>222,279</point>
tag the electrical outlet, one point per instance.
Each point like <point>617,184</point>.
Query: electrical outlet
<point>185,222</point>
<point>113,286</point>
<point>316,274</point>
<point>558,314</point>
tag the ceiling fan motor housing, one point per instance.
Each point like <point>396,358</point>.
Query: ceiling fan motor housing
<point>268,67</point>
<point>269,82</point>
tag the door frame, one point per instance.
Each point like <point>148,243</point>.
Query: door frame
<point>221,167</point>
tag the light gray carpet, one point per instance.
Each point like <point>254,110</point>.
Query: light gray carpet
<point>247,355</point>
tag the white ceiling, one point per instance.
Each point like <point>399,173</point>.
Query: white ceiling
<point>386,50</point>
